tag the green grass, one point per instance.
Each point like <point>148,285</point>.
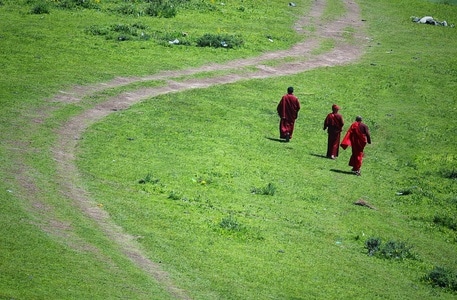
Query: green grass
<point>311,204</point>
<point>334,9</point>
<point>207,150</point>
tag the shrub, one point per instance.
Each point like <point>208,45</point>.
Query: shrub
<point>396,250</point>
<point>444,278</point>
<point>219,41</point>
<point>373,245</point>
<point>40,8</point>
<point>389,250</point>
<point>445,221</point>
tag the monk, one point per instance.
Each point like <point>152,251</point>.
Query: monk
<point>334,124</point>
<point>288,109</point>
<point>356,137</point>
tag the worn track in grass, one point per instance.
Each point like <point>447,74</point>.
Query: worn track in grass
<point>345,51</point>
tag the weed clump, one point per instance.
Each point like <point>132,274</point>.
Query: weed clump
<point>389,250</point>
<point>450,174</point>
<point>219,41</point>
<point>72,4</point>
<point>152,8</point>
<point>231,223</point>
<point>443,278</point>
<point>148,179</point>
<point>120,32</point>
<point>174,195</point>
<point>268,190</point>
<point>127,9</point>
<point>446,221</point>
<point>161,9</point>
<point>172,38</point>
<point>373,245</point>
<point>230,226</point>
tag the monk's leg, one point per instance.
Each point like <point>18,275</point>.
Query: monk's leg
<point>282,129</point>
<point>333,145</point>
<point>336,144</point>
<point>291,128</point>
<point>286,128</point>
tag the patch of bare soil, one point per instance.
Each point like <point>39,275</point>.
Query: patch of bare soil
<point>64,151</point>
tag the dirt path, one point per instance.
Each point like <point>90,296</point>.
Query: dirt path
<point>68,135</point>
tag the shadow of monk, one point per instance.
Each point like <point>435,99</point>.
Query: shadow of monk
<point>343,172</point>
<point>319,155</point>
<point>275,140</point>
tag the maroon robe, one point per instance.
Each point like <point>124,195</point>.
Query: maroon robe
<point>287,109</point>
<point>334,125</point>
<point>356,137</point>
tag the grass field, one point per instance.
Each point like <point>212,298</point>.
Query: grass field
<point>198,179</point>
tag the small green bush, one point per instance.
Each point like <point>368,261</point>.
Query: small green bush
<point>219,41</point>
<point>40,8</point>
<point>446,221</point>
<point>443,278</point>
<point>373,245</point>
<point>389,250</point>
<point>396,250</point>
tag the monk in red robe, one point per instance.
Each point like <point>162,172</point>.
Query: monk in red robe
<point>288,109</point>
<point>356,137</point>
<point>334,124</point>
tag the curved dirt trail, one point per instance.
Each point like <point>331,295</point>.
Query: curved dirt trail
<point>64,151</point>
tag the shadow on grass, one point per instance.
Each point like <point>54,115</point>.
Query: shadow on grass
<point>276,140</point>
<point>319,155</point>
<point>343,172</point>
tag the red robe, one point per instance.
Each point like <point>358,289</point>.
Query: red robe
<point>287,109</point>
<point>334,125</point>
<point>356,137</point>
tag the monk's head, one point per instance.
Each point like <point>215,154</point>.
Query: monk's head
<point>290,90</point>
<point>335,108</point>
<point>358,119</point>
